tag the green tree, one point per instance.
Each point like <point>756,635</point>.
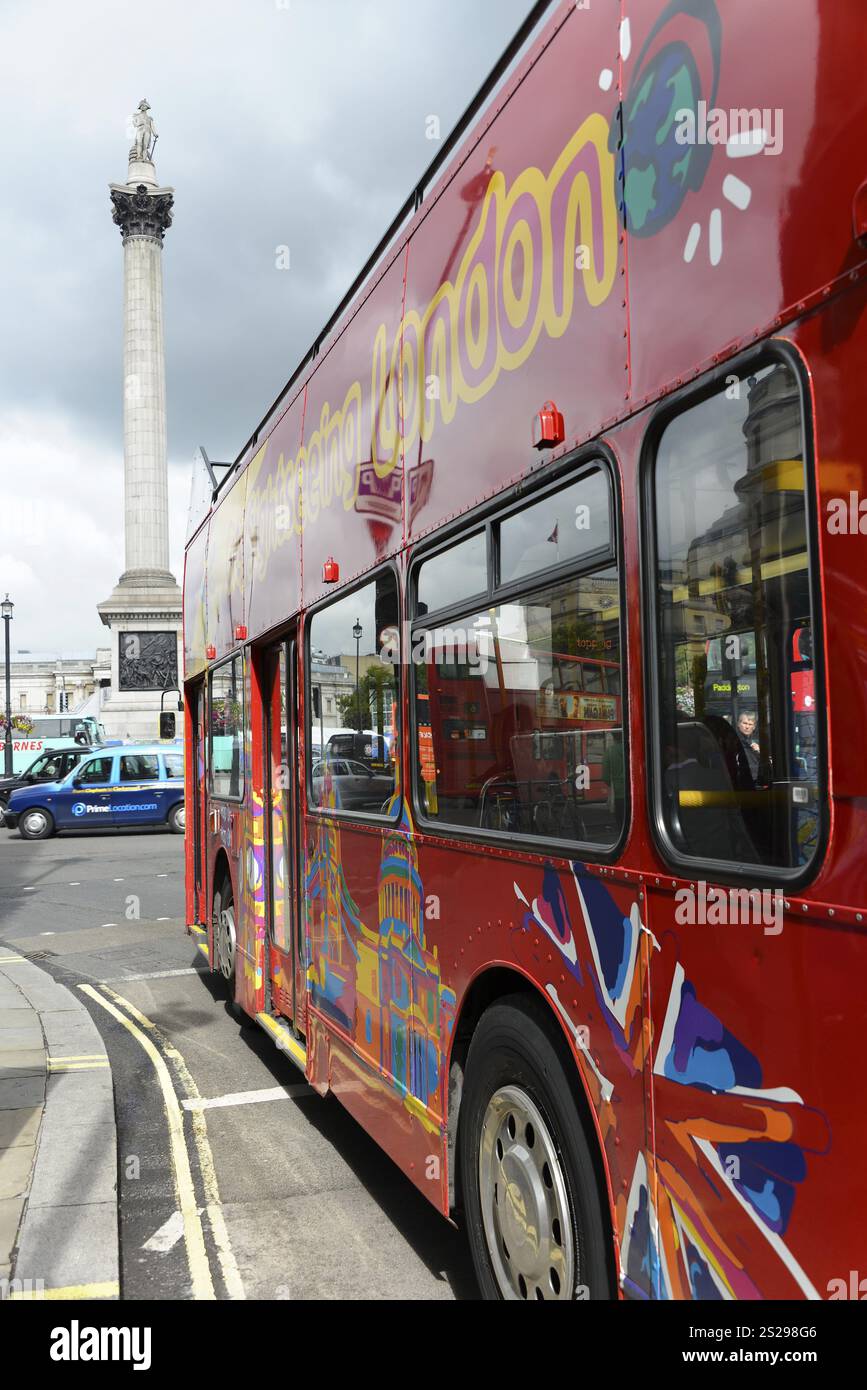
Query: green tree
<point>365,709</point>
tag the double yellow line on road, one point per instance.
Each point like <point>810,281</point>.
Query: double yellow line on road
<point>88,1061</point>
<point>144,1032</point>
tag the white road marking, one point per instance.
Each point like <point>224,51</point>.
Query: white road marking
<point>152,975</point>
<point>194,1235</point>
<point>162,875</point>
<point>109,924</point>
<point>249,1097</point>
<point>47,933</point>
<point>164,919</point>
<point>28,890</point>
<point>117,880</point>
<point>228,1265</point>
<point>76,883</point>
<point>168,1234</point>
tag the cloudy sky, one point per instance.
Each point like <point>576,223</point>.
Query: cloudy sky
<point>281,122</point>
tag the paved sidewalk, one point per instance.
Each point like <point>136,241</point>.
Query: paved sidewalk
<point>58,1142</point>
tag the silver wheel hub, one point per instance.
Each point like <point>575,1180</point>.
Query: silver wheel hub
<point>525,1206</point>
<point>226,941</point>
<point>181,818</point>
<point>35,821</point>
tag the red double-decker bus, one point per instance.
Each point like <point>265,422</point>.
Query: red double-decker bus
<point>562,515</point>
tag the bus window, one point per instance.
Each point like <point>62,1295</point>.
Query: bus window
<point>565,526</point>
<point>519,720</point>
<point>505,747</point>
<point>355,768</point>
<point>733,588</point>
<point>453,574</point>
<point>225,731</point>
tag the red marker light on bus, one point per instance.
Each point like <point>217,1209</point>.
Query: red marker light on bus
<point>548,427</point>
<point>240,632</point>
<point>210,652</point>
<point>330,571</point>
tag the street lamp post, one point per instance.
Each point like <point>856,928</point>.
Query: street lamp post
<point>6,609</point>
<point>356,632</point>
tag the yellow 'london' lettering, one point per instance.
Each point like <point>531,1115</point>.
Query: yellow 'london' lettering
<point>516,280</point>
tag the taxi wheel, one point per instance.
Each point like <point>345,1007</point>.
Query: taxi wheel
<point>178,819</point>
<point>36,824</point>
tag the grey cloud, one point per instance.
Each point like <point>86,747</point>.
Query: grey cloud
<point>300,125</point>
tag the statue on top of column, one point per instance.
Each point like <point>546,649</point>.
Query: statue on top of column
<point>144,133</point>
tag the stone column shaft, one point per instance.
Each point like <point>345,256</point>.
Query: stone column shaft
<point>146,509</point>
<point>143,211</point>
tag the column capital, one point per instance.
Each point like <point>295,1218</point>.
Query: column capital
<point>141,213</point>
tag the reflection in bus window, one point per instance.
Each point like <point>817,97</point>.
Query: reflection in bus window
<point>512,735</point>
<point>354,653</point>
<point>566,525</point>
<point>451,575</point>
<point>227,696</point>
<point>738,761</point>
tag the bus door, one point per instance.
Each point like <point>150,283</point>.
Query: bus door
<point>281,818</point>
<point>195,788</point>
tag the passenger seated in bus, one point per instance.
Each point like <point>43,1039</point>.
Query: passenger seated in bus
<point>746,732</point>
<point>738,765</point>
<point>703,799</point>
<point>743,774</point>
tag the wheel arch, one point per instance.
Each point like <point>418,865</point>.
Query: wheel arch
<point>221,872</point>
<point>493,983</point>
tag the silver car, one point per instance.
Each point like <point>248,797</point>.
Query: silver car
<point>356,787</point>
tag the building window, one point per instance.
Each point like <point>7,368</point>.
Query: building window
<point>738,750</point>
<point>225,742</point>
<point>519,714</point>
<point>22,701</point>
<point>356,767</point>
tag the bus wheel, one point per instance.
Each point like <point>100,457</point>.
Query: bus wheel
<point>533,1212</point>
<point>36,824</point>
<point>225,940</point>
<point>178,819</point>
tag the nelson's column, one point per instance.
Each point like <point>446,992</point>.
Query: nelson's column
<point>144,611</point>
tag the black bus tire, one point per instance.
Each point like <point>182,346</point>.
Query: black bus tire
<point>526,1165</point>
<point>225,937</point>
